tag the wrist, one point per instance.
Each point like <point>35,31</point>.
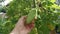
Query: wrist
<point>19,31</point>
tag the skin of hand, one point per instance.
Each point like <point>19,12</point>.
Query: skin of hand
<point>21,27</point>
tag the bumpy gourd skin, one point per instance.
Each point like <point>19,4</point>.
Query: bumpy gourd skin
<point>31,16</point>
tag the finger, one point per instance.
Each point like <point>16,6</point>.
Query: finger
<point>31,25</point>
<point>21,21</point>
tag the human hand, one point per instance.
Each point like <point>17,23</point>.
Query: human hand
<point>21,26</point>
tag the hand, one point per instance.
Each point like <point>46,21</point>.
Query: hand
<point>21,26</point>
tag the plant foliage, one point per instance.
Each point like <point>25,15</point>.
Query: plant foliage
<point>45,14</point>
